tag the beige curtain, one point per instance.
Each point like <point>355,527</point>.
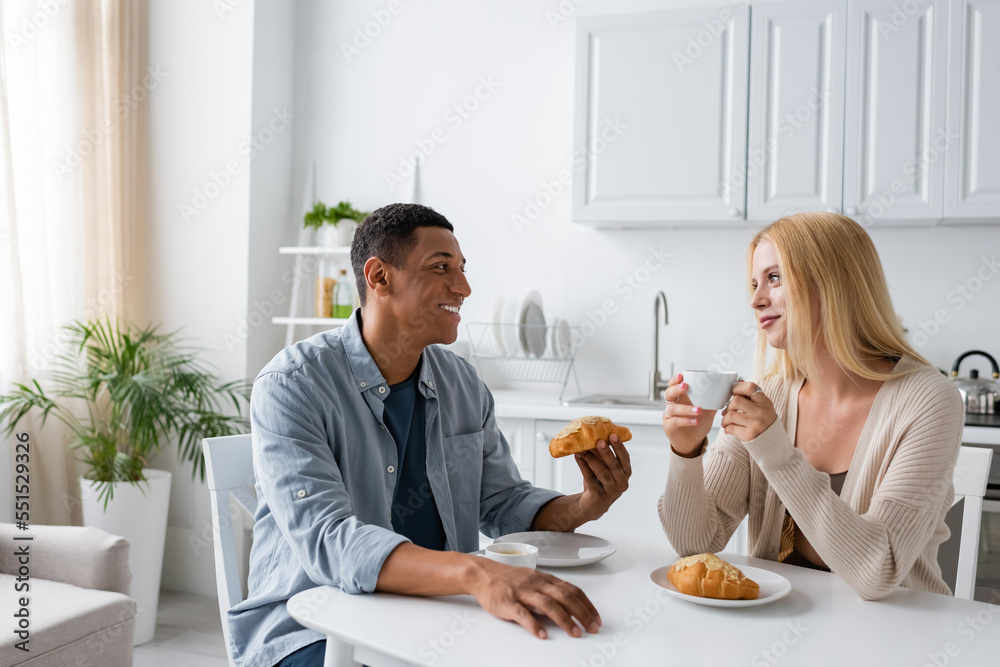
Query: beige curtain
<point>73,94</point>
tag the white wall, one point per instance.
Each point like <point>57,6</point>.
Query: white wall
<point>196,273</point>
<point>274,220</point>
<point>359,114</point>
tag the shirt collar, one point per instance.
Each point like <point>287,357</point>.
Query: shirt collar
<point>366,374</point>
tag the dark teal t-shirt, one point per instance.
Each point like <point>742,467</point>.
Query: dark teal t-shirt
<point>414,512</point>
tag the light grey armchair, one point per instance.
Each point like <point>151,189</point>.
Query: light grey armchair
<point>79,612</point>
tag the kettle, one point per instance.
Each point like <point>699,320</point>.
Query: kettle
<point>979,395</point>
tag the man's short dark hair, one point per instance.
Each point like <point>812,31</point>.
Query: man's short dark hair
<point>388,233</point>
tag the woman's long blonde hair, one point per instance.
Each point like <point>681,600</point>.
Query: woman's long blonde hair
<point>833,257</point>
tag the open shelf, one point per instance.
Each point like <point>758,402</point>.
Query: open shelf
<point>321,321</point>
<point>314,250</point>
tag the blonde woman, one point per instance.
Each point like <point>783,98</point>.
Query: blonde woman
<point>843,455</point>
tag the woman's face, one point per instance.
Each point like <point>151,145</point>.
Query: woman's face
<point>768,298</point>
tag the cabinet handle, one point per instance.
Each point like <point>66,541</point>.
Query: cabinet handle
<point>541,437</point>
<point>833,209</point>
<point>852,210</point>
<point>734,212</point>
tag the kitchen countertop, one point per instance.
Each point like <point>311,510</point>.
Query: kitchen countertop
<point>540,405</point>
<point>516,404</point>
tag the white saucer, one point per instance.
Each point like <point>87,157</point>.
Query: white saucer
<point>557,549</point>
<point>772,587</point>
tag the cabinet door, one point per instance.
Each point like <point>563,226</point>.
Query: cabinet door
<point>894,131</point>
<point>660,117</point>
<point>972,189</point>
<point>520,436</point>
<point>795,153</point>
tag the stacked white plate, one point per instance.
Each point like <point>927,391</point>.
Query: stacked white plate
<point>521,330</point>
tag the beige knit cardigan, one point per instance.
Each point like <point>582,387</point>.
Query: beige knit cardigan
<point>881,532</point>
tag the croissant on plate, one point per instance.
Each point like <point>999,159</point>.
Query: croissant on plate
<point>708,576</point>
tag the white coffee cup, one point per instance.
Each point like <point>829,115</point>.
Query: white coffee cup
<point>710,390</point>
<point>513,553</point>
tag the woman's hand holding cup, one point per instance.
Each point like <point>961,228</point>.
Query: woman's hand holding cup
<point>686,425</point>
<point>749,413</point>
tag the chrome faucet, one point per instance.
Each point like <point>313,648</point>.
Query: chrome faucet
<point>656,383</point>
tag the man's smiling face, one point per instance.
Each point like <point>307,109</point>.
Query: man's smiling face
<point>431,288</point>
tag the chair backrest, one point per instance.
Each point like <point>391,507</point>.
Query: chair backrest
<point>972,470</point>
<point>229,472</point>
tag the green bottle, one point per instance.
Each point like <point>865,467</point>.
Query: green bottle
<point>343,297</point>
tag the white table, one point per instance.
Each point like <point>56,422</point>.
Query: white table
<point>821,622</point>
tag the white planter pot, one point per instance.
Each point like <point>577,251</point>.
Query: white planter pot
<point>341,235</point>
<point>141,518</point>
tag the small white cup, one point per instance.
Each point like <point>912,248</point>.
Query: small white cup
<point>709,390</point>
<point>513,553</point>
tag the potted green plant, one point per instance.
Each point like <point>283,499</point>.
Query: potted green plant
<point>124,393</point>
<point>334,225</point>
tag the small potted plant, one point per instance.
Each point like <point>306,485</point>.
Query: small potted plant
<point>123,393</point>
<point>334,225</point>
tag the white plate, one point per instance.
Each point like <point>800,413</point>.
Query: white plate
<point>557,549</point>
<point>564,339</point>
<point>533,329</point>
<point>510,314</point>
<point>498,326</point>
<point>772,587</point>
<point>531,308</point>
<point>553,339</point>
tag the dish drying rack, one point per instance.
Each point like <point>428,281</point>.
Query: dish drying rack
<point>488,343</point>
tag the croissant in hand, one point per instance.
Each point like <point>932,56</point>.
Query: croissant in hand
<point>583,433</point>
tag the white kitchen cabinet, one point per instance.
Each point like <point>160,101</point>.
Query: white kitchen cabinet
<point>796,127</point>
<point>879,109</point>
<point>972,184</point>
<point>660,125</point>
<point>520,435</point>
<point>895,125</point>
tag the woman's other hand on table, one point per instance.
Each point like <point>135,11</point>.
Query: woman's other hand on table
<point>686,426</point>
<point>512,593</point>
<point>749,413</point>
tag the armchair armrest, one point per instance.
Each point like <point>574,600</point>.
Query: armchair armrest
<point>82,556</point>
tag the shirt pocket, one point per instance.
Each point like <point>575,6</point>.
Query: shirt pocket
<point>463,455</point>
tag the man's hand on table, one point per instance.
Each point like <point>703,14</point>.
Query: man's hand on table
<point>507,592</point>
<point>511,593</point>
<point>606,470</point>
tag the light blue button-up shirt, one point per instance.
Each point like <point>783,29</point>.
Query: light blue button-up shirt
<point>325,468</point>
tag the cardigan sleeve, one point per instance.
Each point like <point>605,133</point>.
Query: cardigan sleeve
<point>706,497</point>
<point>873,552</point>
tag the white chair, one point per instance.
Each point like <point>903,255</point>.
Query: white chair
<point>971,472</point>
<point>229,472</point>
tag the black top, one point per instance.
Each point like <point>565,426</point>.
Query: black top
<point>414,512</point>
<point>795,558</point>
